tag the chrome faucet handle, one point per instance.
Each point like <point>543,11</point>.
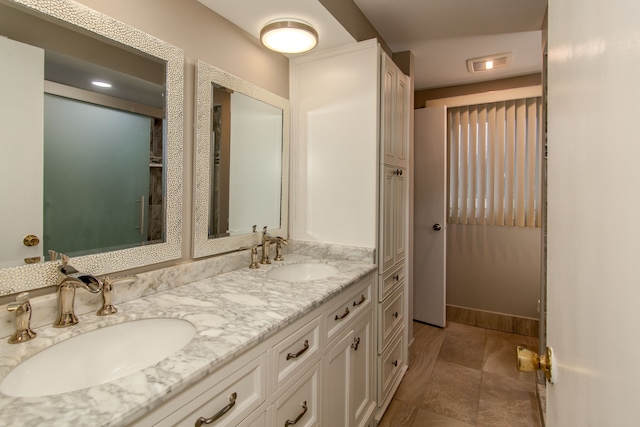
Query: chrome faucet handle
<point>22,307</point>
<point>107,294</point>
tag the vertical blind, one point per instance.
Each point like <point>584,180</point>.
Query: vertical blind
<point>494,163</point>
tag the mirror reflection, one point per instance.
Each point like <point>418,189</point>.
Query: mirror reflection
<point>150,74</point>
<point>84,121</point>
<point>242,163</point>
<point>246,177</point>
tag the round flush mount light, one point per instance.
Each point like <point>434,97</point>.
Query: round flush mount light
<point>289,36</point>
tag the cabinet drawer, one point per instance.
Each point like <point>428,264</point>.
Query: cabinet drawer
<point>391,318</point>
<point>391,281</point>
<point>257,419</point>
<point>348,308</point>
<point>241,393</point>
<point>300,402</point>
<point>296,352</point>
<point>390,364</point>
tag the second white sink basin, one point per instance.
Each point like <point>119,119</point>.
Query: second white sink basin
<point>302,272</point>
<point>98,357</point>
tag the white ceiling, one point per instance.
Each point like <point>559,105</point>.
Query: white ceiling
<point>442,34</point>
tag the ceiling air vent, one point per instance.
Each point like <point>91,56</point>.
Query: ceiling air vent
<point>490,62</point>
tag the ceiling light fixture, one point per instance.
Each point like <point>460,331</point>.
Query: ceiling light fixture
<point>289,36</point>
<point>100,84</point>
<point>490,62</point>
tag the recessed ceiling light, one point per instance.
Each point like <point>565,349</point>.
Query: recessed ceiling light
<point>490,62</point>
<point>100,84</point>
<point>289,36</point>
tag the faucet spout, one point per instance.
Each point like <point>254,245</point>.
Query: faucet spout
<point>68,280</point>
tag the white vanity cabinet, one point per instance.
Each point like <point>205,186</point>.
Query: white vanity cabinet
<point>349,361</point>
<point>316,371</point>
<point>351,126</point>
<point>392,294</point>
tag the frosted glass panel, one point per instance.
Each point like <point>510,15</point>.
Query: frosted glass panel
<point>96,177</point>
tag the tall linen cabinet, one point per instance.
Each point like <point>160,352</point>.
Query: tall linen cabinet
<point>349,182</point>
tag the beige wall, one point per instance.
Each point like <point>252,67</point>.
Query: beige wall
<point>206,36</point>
<point>494,268</point>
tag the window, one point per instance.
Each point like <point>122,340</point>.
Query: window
<point>494,163</point>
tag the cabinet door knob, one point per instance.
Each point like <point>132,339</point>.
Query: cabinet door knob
<point>395,314</point>
<point>355,344</point>
<point>394,363</point>
<point>437,227</point>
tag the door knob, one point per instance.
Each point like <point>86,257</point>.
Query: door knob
<point>529,361</point>
<point>437,227</point>
<point>31,240</point>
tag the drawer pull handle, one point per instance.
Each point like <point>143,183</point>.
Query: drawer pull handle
<point>298,354</point>
<point>362,299</point>
<point>300,415</point>
<point>343,315</point>
<point>356,343</point>
<point>395,315</point>
<point>232,402</point>
<point>396,277</point>
<point>394,363</point>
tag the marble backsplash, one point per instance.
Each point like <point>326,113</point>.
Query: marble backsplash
<point>45,308</point>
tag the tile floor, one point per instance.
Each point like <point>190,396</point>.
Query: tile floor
<point>464,376</point>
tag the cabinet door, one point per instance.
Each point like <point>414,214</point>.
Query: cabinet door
<point>337,382</point>
<point>387,211</point>
<point>300,404</point>
<point>387,96</point>
<point>362,370</point>
<point>400,119</point>
<point>400,185</point>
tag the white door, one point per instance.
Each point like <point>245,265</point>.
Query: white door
<point>430,215</point>
<point>593,259</point>
<point>21,124</point>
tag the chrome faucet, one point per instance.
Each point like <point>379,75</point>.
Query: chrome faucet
<point>68,280</point>
<point>22,307</point>
<point>267,239</point>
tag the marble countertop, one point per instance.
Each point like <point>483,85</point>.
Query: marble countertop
<point>232,312</point>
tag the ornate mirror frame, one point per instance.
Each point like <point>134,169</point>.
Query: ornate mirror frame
<point>206,75</point>
<point>27,277</point>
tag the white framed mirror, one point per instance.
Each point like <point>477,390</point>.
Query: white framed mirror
<point>241,163</point>
<point>70,43</point>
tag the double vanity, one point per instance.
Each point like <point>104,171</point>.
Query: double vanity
<point>268,340</point>
<point>200,335</point>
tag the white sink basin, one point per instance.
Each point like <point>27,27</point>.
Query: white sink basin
<point>302,272</point>
<point>98,357</point>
